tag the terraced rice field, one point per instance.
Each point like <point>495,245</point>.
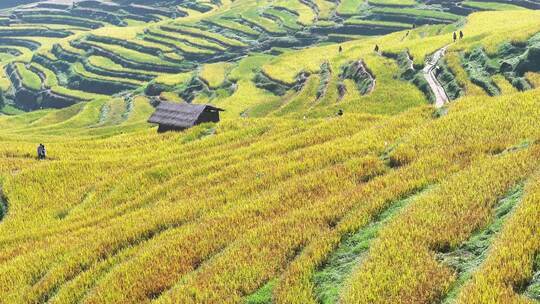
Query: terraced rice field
<point>172,39</point>
<point>398,200</point>
<point>109,55</point>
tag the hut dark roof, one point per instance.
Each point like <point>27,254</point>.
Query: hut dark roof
<point>179,115</point>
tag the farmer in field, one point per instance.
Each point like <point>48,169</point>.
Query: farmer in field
<point>42,153</point>
<point>340,112</point>
<point>376,48</point>
<point>340,49</point>
<point>455,37</point>
<point>460,35</point>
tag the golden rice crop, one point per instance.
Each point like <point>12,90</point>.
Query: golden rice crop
<point>120,214</point>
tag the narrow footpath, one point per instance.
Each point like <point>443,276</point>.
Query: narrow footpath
<point>429,72</point>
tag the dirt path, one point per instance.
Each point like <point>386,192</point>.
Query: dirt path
<point>429,72</point>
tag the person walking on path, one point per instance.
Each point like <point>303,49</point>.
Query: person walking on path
<point>340,49</point>
<point>455,37</point>
<point>460,35</point>
<point>376,48</point>
<point>42,153</point>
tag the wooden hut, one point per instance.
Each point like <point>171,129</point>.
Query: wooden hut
<point>180,116</point>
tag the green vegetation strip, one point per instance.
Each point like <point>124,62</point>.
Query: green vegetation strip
<point>29,78</point>
<point>353,21</point>
<point>480,68</point>
<point>80,70</point>
<point>288,19</point>
<point>533,290</point>
<point>492,5</point>
<point>466,258</point>
<point>263,295</point>
<point>349,7</point>
<point>416,12</point>
<point>329,280</point>
<point>393,2</point>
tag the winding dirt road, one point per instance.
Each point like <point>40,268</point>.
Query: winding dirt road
<point>429,72</point>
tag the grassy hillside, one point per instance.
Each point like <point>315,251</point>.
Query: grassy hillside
<point>283,201</point>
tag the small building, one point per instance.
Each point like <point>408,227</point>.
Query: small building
<point>180,116</point>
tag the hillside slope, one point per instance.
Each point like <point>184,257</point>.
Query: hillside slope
<point>122,215</point>
<point>283,201</point>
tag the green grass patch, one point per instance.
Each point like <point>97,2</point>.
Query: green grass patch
<point>192,40</point>
<point>205,35</point>
<point>234,26</point>
<point>354,21</point>
<point>131,54</point>
<point>30,79</point>
<point>11,110</point>
<point>393,2</point>
<point>416,12</point>
<point>533,289</point>
<point>109,65</point>
<point>50,77</point>
<point>176,42</point>
<point>287,19</point>
<point>174,79</point>
<point>77,94</point>
<point>247,67</point>
<point>494,6</point>
<point>349,7</point>
<point>252,16</point>
<point>79,69</point>
<point>263,295</point>
<point>215,74</point>
<point>6,57</point>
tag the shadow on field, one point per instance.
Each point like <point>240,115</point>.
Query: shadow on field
<point>3,204</point>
